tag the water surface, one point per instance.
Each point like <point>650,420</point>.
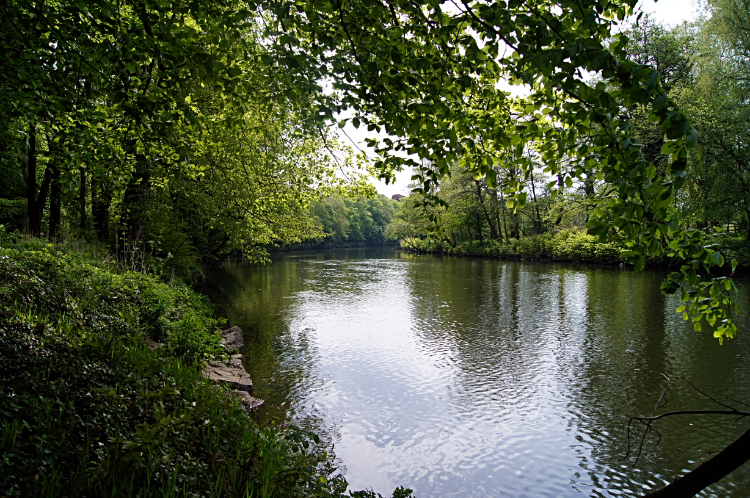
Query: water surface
<point>463,377</point>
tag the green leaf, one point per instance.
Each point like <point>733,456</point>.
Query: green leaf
<point>660,102</point>
<point>691,139</point>
<point>670,147</point>
<point>652,79</point>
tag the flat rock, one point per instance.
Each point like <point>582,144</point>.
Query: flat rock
<point>233,374</point>
<point>232,338</point>
<point>247,401</point>
<point>152,345</point>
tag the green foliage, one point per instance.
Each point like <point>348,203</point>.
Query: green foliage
<point>397,493</point>
<point>348,221</point>
<point>568,245</point>
<point>12,181</point>
<point>695,60</point>
<point>620,168</point>
<point>149,109</point>
<point>726,46</point>
<point>106,305</point>
<point>161,129</point>
<point>407,221</point>
<point>428,78</point>
<point>12,213</point>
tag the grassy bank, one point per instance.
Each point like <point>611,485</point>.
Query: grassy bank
<point>567,245</point>
<point>86,409</point>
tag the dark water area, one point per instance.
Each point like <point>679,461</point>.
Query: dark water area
<point>463,377</point>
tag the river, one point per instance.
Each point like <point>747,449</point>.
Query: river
<point>463,377</point>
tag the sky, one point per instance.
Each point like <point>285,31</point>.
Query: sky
<point>669,12</point>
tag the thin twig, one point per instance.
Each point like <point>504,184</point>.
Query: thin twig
<point>656,406</point>
<point>648,421</point>
<point>707,395</point>
<point>737,401</point>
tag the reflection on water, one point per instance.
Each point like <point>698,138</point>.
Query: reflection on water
<point>479,378</point>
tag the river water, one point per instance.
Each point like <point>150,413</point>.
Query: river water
<point>463,377</point>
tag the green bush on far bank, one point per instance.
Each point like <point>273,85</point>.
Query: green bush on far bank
<point>86,409</point>
<point>567,245</point>
<point>570,245</point>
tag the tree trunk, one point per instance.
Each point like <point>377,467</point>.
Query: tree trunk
<point>708,472</point>
<point>493,232</point>
<point>514,226</point>
<point>35,225</point>
<point>497,218</point>
<point>82,199</point>
<point>36,195</point>
<point>55,205</point>
<point>100,201</point>
<point>134,201</point>
<point>505,224</point>
<point>538,219</point>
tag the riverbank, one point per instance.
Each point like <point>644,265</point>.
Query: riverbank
<point>566,246</point>
<point>88,409</point>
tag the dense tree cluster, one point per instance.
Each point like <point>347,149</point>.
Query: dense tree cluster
<point>190,129</point>
<point>158,127</point>
<point>349,221</point>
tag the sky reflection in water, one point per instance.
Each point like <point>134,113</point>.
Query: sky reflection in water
<point>482,378</point>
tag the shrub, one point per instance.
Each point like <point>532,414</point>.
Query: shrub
<point>566,245</point>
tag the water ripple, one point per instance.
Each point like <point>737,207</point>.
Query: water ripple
<point>479,378</point>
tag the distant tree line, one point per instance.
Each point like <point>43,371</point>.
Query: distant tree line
<point>346,221</point>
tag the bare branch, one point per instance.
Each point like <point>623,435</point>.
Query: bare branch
<point>648,421</point>
<point>707,395</point>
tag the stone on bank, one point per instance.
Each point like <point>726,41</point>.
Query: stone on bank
<point>233,372</point>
